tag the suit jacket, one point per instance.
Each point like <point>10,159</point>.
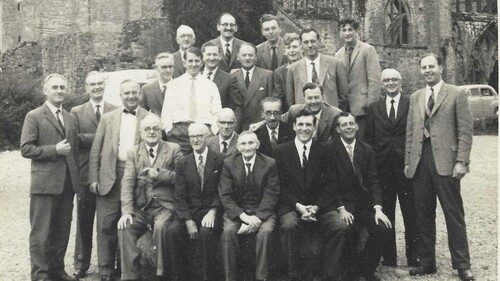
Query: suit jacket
<point>285,134</point>
<point>382,134</point>
<point>152,98</point>
<point>167,157</point>
<point>191,202</point>
<point>279,86</point>
<point>331,75</point>
<point>213,144</point>
<point>40,134</point>
<point>326,127</point>
<point>104,151</point>
<point>87,126</point>
<point>317,186</point>
<point>179,68</point>
<point>358,189</point>
<point>233,63</point>
<point>264,57</point>
<point>450,129</point>
<point>363,74</point>
<point>232,183</point>
<point>226,83</point>
<point>246,102</point>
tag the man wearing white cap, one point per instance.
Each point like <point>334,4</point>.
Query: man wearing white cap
<point>185,38</point>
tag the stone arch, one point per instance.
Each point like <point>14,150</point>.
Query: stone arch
<point>397,21</point>
<point>484,54</point>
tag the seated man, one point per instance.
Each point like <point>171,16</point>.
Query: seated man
<point>359,196</point>
<point>225,141</point>
<point>147,196</point>
<point>248,191</point>
<point>198,208</point>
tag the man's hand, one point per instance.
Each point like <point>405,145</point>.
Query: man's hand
<point>192,229</point>
<point>346,216</point>
<point>304,212</point>
<point>150,172</point>
<point>122,223</point>
<point>255,126</point>
<point>233,71</point>
<point>459,170</point>
<point>253,221</point>
<point>406,171</point>
<point>209,219</point>
<point>63,147</point>
<point>379,215</point>
<point>94,188</point>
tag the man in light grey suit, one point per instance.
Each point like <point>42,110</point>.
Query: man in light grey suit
<point>153,93</point>
<point>88,116</point>
<point>324,70</point>
<point>49,139</point>
<point>438,145</point>
<point>225,141</point>
<point>117,132</point>
<point>185,38</point>
<point>363,72</point>
<point>271,53</point>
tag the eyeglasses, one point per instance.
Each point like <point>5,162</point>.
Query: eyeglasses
<point>386,80</point>
<point>228,24</point>
<point>149,129</point>
<point>270,113</point>
<point>167,66</point>
<point>197,137</point>
<point>226,123</point>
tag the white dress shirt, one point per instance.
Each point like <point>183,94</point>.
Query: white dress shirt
<point>228,141</point>
<point>128,126</point>
<point>197,157</point>
<point>223,43</point>
<point>396,104</point>
<point>436,89</point>
<point>101,106</point>
<point>250,73</point>
<point>53,109</point>
<point>310,69</point>
<point>252,163</point>
<point>155,153</point>
<point>300,149</point>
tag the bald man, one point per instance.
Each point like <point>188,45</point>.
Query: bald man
<point>225,141</point>
<point>185,38</point>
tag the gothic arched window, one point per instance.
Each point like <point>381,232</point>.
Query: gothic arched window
<point>398,23</point>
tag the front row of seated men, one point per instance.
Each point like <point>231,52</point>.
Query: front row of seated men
<point>327,187</point>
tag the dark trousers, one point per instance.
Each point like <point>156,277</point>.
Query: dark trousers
<point>203,264</point>
<point>333,230</point>
<point>397,186</point>
<point>155,218</point>
<point>427,183</point>
<point>231,247</point>
<point>108,212</point>
<point>50,219</point>
<point>85,204</point>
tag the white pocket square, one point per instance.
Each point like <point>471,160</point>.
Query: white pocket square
<point>328,76</point>
<point>261,89</point>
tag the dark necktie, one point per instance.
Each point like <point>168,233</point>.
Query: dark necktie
<point>304,158</point>
<point>314,77</point>
<point>249,178</point>
<point>224,149</point>
<point>58,111</point>
<point>247,79</point>
<point>201,170</point>
<point>97,112</point>
<point>227,54</point>
<point>151,153</point>
<point>428,111</point>
<point>126,111</point>
<point>392,112</point>
<point>349,54</point>
<point>274,58</point>
<point>430,102</point>
<point>209,75</point>
<point>163,90</point>
<point>274,139</point>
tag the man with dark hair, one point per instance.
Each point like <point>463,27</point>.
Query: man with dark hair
<point>438,145</point>
<point>324,70</point>
<point>293,54</point>
<point>363,72</point>
<point>185,38</point>
<point>153,93</point>
<point>230,45</point>
<point>270,54</point>
<point>190,98</point>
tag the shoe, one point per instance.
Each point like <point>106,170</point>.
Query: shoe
<point>63,277</point>
<point>466,275</point>
<point>79,273</point>
<point>422,270</point>
<point>371,277</point>
<point>107,278</point>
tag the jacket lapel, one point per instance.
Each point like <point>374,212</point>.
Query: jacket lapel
<point>192,169</point>
<point>115,122</point>
<point>257,170</point>
<point>355,52</point>
<point>402,108</point>
<point>345,59</point>
<point>179,63</point>
<point>53,120</point>
<point>234,50</point>
<point>141,113</point>
<point>280,51</point>
<point>266,54</point>
<point>157,93</point>
<point>91,114</point>
<point>143,155</point>
<point>217,77</point>
<point>324,65</point>
<point>209,166</point>
<point>421,102</point>
<point>443,92</point>
<point>302,70</point>
<point>232,144</point>
<point>253,86</point>
<point>358,158</point>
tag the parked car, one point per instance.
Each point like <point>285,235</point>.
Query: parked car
<point>483,100</point>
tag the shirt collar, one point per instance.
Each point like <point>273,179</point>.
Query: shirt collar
<point>204,154</point>
<point>227,141</point>
<point>155,148</point>
<point>251,161</point>
<point>163,84</point>
<point>223,42</point>
<point>353,46</point>
<point>245,71</point>
<point>300,145</point>
<point>277,129</point>
<point>436,88</point>
<point>206,71</point>
<point>53,108</point>
<point>396,99</point>
<point>353,144</point>
<point>316,61</point>
<point>93,103</point>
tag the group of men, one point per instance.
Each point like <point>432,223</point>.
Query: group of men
<point>235,143</point>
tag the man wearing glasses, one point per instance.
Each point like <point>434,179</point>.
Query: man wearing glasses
<point>153,93</point>
<point>225,141</point>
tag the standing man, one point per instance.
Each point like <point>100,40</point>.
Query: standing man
<point>88,116</point>
<point>190,98</point>
<point>275,131</point>
<point>254,84</point>
<point>225,82</point>
<point>49,139</point>
<point>324,70</point>
<point>386,133</point>
<point>198,208</point>
<point>225,141</point>
<point>248,191</point>
<point>153,93</point>
<point>147,197</point>
<point>185,38</point>
<point>271,53</point>
<point>293,53</point>
<point>230,45</point>
<point>117,132</point>
<point>438,145</point>
<point>363,72</point>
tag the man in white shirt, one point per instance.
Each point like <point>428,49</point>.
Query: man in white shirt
<point>153,93</point>
<point>185,38</point>
<point>225,141</point>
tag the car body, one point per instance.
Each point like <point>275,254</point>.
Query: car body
<point>483,100</point>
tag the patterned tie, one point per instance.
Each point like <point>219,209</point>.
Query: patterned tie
<point>224,149</point>
<point>428,111</point>
<point>201,170</point>
<point>314,73</point>
<point>274,58</point>
<point>430,102</point>
<point>304,158</point>
<point>97,112</point>
<point>58,111</point>
<point>274,139</point>
<point>209,75</point>
<point>350,152</point>
<point>192,101</point>
<point>392,113</point>
<point>152,153</point>
<point>227,54</point>
<point>247,79</point>
<point>163,90</point>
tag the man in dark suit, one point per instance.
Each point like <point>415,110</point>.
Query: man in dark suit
<point>230,45</point>
<point>386,133</point>
<point>307,199</point>
<point>118,131</point>
<point>438,144</point>
<point>225,141</point>
<point>293,53</point>
<point>254,84</point>
<point>359,198</point>
<point>185,38</point>
<point>275,131</point>
<point>248,191</point>
<point>271,53</point>
<point>49,139</point>
<point>198,209</point>
<point>88,116</point>
<point>212,55</point>
<point>361,63</point>
<point>147,197</point>
<point>153,93</point>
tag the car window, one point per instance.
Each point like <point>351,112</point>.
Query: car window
<point>474,92</point>
<point>486,93</point>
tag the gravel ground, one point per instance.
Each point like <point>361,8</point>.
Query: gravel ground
<point>479,191</point>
